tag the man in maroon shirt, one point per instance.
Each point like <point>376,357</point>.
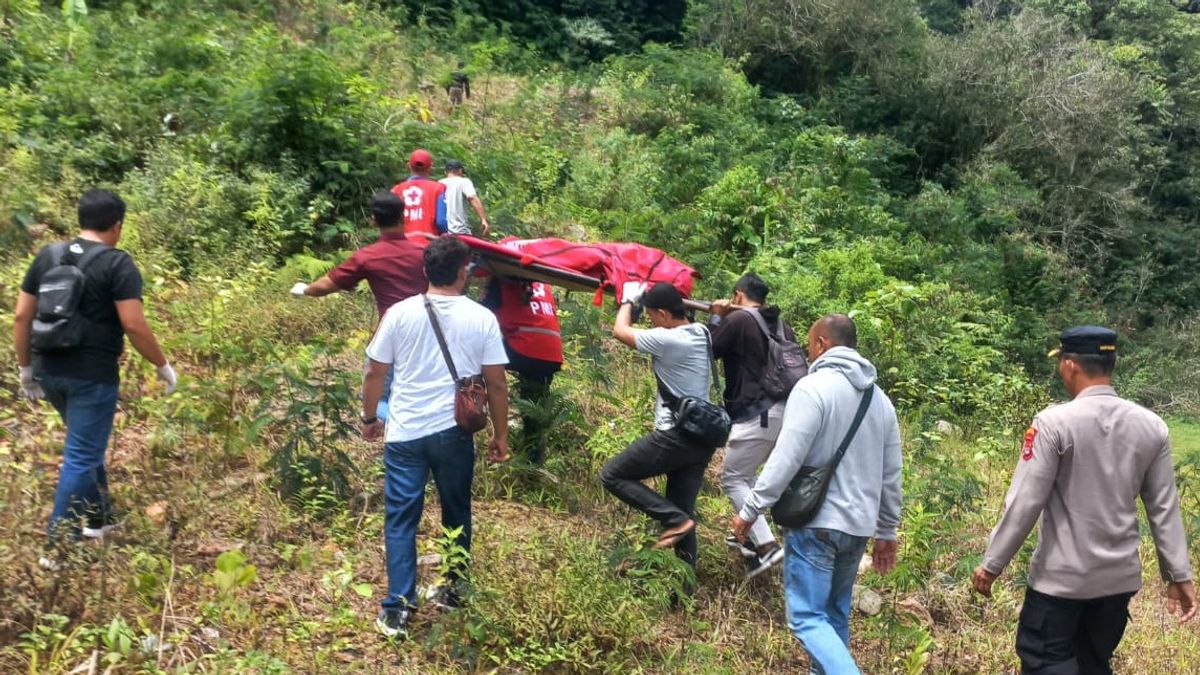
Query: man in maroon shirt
<point>393,266</point>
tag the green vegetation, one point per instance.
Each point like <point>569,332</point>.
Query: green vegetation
<point>966,181</point>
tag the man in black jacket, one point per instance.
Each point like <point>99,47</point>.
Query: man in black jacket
<point>739,341</point>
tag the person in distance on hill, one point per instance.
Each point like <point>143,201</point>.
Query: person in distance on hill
<point>679,351</point>
<point>863,500</point>
<point>72,362</point>
<point>422,434</point>
<point>459,191</point>
<point>529,322</point>
<point>740,342</point>
<point>1083,466</point>
<point>424,199</point>
<point>392,266</point>
<point>459,85</point>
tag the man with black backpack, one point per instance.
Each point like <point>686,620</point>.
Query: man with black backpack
<point>78,301</point>
<point>762,364</point>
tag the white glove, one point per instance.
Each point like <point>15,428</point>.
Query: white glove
<point>632,291</point>
<point>30,388</point>
<point>298,289</point>
<point>167,374</point>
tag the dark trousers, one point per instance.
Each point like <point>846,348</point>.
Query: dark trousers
<point>534,377</point>
<point>681,459</point>
<point>450,456</point>
<point>1057,636</point>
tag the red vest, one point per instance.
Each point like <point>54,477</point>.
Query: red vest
<point>530,326</point>
<point>420,197</point>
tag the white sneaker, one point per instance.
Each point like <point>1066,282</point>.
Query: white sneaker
<point>98,532</point>
<point>97,529</point>
<point>49,564</point>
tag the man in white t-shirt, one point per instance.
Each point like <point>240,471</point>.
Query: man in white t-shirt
<point>459,191</point>
<point>422,435</point>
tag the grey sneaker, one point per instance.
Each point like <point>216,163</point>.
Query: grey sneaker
<point>445,597</point>
<point>393,623</point>
<point>765,561</point>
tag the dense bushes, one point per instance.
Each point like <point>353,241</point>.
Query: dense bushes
<point>966,228</point>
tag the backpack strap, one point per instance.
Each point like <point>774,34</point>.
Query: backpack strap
<point>63,249</point>
<point>778,335</point>
<point>90,255</point>
<point>58,251</point>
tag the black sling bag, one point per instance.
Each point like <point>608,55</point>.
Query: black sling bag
<point>705,421</point>
<point>805,495</point>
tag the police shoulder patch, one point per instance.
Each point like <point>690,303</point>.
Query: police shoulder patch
<point>1027,446</point>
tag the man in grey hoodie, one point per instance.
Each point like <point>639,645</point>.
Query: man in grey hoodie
<point>864,495</point>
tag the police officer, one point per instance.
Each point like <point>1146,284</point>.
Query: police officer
<point>1083,465</point>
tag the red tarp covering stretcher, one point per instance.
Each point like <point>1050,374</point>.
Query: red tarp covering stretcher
<point>599,267</point>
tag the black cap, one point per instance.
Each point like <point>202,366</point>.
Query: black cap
<point>454,165</point>
<point>663,296</point>
<point>1086,340</point>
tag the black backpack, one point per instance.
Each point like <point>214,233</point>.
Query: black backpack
<point>785,361</point>
<point>59,325</point>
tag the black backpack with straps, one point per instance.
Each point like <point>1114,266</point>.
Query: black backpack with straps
<point>785,360</point>
<point>59,325</point>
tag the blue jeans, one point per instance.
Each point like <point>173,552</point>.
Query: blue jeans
<point>450,454</point>
<point>818,580</point>
<point>87,408</point>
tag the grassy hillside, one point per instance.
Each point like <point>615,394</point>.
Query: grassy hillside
<point>247,136</point>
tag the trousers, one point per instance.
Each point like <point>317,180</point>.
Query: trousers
<point>1059,636</point>
<point>678,456</point>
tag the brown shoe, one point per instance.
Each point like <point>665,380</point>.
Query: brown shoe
<point>672,535</point>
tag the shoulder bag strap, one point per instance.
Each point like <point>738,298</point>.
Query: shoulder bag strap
<point>665,394</point>
<point>672,400</point>
<point>858,418</point>
<point>437,330</point>
<point>716,375</point>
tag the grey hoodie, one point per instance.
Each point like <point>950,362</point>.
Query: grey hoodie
<point>864,495</point>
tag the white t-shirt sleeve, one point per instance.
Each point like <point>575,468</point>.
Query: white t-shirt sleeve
<point>493,344</point>
<point>382,347</point>
<point>468,188</point>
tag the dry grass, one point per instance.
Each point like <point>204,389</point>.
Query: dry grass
<point>548,546</point>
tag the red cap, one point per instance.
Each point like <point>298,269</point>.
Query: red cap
<point>420,159</point>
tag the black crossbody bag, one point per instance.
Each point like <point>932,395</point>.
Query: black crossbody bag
<point>708,423</point>
<point>802,500</point>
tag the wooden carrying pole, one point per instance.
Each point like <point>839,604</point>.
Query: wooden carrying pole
<point>555,276</point>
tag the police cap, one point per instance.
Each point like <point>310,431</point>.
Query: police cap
<point>1086,340</point>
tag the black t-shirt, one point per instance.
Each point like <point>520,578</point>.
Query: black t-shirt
<point>110,277</point>
<point>741,345</point>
